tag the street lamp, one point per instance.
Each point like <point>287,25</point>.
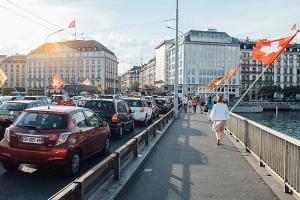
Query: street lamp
<point>176,67</point>
<point>60,30</point>
<point>184,58</point>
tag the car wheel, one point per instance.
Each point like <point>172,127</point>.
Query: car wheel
<point>121,132</point>
<point>106,148</point>
<point>132,127</point>
<point>73,164</point>
<point>10,166</point>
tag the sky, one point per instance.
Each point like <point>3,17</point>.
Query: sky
<point>132,28</point>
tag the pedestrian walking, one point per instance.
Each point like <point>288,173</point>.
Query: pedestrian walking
<point>190,105</point>
<point>209,105</point>
<point>219,115</point>
<point>194,104</point>
<point>202,104</point>
<point>185,103</point>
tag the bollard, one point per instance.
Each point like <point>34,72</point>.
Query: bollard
<point>117,166</point>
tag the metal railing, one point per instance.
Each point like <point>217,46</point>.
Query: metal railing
<point>278,152</point>
<point>113,163</point>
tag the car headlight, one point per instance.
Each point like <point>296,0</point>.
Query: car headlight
<point>63,137</point>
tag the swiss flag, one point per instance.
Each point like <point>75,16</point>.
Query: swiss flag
<point>268,51</point>
<point>56,82</point>
<point>231,72</point>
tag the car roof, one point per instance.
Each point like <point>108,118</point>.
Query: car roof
<point>57,108</point>
<point>22,101</point>
<point>111,100</point>
<point>133,98</point>
<point>35,96</point>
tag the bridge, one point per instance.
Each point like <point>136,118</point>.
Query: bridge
<point>177,159</point>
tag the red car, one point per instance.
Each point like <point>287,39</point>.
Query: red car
<point>62,136</point>
<point>62,100</point>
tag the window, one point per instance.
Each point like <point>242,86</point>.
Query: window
<point>92,119</point>
<point>80,119</point>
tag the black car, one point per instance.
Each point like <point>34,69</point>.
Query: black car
<point>163,104</point>
<point>115,112</point>
<point>10,111</point>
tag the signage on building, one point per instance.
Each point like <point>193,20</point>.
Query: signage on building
<point>210,37</point>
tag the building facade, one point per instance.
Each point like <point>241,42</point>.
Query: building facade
<point>162,64</point>
<point>147,76</point>
<point>285,71</point>
<point>75,61</point>
<point>14,68</point>
<point>204,55</point>
<point>131,77</point>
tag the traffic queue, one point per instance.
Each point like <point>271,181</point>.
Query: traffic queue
<point>61,131</point>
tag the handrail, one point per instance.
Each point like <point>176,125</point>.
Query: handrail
<point>79,187</point>
<point>278,152</point>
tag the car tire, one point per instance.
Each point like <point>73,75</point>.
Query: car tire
<point>121,132</point>
<point>73,164</point>
<point>106,147</point>
<point>132,127</point>
<point>10,166</point>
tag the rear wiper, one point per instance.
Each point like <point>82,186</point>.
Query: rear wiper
<point>30,127</point>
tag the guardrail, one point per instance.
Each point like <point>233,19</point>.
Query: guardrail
<point>278,152</point>
<point>113,163</point>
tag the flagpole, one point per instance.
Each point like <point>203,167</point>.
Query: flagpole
<point>249,88</point>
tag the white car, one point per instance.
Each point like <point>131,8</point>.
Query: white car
<point>141,111</point>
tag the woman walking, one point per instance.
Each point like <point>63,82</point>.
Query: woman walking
<point>190,105</point>
<point>219,115</point>
<point>194,103</point>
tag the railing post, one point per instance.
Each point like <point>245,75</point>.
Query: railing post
<point>153,131</point>
<point>159,125</point>
<point>246,133</point>
<point>261,164</point>
<point>163,122</point>
<point>135,147</point>
<point>285,167</point>
<point>80,193</point>
<point>146,135</point>
<point>117,166</point>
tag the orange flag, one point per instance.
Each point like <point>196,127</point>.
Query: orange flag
<point>268,51</point>
<point>56,82</point>
<point>231,72</point>
<point>215,82</point>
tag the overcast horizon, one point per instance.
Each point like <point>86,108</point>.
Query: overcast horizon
<point>131,29</point>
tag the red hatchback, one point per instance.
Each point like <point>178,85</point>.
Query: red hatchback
<point>61,136</point>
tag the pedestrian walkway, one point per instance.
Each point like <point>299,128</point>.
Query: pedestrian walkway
<point>188,164</point>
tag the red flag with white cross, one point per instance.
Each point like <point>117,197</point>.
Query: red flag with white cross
<point>268,51</point>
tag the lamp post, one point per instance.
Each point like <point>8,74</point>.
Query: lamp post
<point>184,65</point>
<point>176,67</point>
<point>60,30</point>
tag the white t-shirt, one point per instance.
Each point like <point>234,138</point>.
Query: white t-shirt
<point>185,100</point>
<point>219,112</point>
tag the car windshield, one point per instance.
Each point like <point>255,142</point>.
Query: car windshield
<point>100,106</point>
<point>45,121</point>
<point>134,103</point>
<point>13,106</point>
<point>160,101</point>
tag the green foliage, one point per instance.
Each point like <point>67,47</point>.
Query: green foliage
<point>270,90</point>
<point>291,90</point>
<point>135,87</point>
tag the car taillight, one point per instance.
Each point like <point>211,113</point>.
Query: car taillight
<point>114,118</point>
<point>63,137</point>
<point>142,109</point>
<point>7,134</point>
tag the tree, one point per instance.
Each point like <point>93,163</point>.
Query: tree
<point>291,90</point>
<point>135,87</point>
<point>269,90</point>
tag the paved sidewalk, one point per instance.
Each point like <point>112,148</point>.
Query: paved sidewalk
<point>188,164</point>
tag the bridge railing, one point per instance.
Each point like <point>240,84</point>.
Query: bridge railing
<point>77,189</point>
<point>278,152</point>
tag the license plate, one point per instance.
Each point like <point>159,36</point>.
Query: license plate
<point>33,140</point>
